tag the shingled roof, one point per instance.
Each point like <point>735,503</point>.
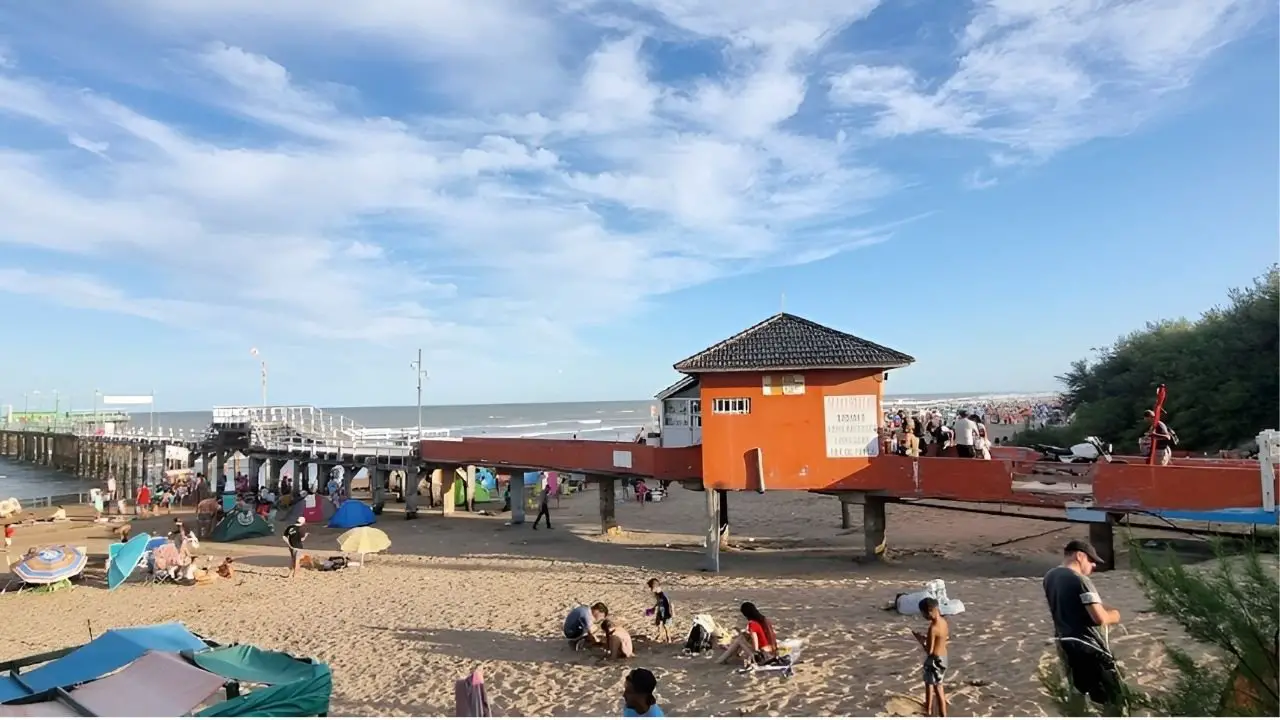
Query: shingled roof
<point>788,342</point>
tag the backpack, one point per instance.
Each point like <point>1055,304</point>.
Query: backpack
<point>699,640</point>
<point>1173,436</point>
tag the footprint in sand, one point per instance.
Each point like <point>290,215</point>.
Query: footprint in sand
<point>903,706</point>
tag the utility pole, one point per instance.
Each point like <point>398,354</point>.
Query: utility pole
<point>417,367</point>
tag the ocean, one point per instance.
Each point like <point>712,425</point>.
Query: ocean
<point>609,420</point>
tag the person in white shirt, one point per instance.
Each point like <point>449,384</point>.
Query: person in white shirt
<point>966,432</point>
<point>111,487</point>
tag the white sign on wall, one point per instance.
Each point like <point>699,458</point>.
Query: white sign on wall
<point>852,422</point>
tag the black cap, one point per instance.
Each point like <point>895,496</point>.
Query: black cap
<point>642,681</point>
<point>1076,546</point>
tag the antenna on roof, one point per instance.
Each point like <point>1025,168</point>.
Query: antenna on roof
<point>784,301</point>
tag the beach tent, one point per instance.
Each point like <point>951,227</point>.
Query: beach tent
<point>107,653</point>
<point>352,514</point>
<point>295,687</point>
<point>122,559</point>
<point>315,508</point>
<point>460,488</point>
<point>239,524</point>
<point>486,479</point>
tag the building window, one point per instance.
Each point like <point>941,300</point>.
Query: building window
<point>731,406</point>
<point>695,407</point>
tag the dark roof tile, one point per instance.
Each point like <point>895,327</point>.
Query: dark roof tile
<point>788,342</point>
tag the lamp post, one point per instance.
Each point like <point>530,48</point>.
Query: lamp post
<point>421,373</point>
<point>254,352</point>
<point>56,400</point>
<point>96,420</point>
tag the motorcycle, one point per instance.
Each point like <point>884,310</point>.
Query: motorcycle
<point>1092,450</point>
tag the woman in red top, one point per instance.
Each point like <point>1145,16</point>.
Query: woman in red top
<point>756,644</point>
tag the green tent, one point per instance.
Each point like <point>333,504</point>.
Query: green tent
<point>460,490</point>
<point>241,523</point>
<point>291,687</point>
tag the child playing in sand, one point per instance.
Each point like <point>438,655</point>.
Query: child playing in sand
<point>934,642</point>
<point>661,610</point>
<point>617,641</point>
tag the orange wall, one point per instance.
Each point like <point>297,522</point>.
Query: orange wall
<point>790,430</point>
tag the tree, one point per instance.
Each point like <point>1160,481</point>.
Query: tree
<point>1233,609</point>
<point>1224,387</point>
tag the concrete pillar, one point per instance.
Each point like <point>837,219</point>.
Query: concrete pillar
<point>349,476</point>
<point>215,473</point>
<point>471,488</point>
<point>255,472</point>
<point>379,479</point>
<point>712,539</point>
<point>1102,537</point>
<point>846,515</point>
<point>874,528</point>
<point>608,504</point>
<point>516,487</point>
<point>447,477</point>
<point>409,488</point>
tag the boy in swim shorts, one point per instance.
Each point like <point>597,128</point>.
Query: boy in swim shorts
<point>934,643</point>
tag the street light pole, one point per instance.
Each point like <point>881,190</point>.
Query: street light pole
<point>254,352</point>
<point>417,367</point>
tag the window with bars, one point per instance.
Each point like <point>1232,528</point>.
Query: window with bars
<point>731,406</point>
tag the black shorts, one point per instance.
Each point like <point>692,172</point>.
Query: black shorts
<point>1092,671</point>
<point>966,451</point>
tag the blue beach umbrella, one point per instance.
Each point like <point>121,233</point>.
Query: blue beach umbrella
<point>50,565</point>
<point>125,560</point>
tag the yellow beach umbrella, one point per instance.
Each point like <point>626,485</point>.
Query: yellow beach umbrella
<point>363,540</point>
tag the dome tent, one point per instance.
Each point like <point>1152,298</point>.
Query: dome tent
<point>352,514</point>
<point>239,524</point>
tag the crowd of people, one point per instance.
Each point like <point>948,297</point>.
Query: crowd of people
<point>932,434</point>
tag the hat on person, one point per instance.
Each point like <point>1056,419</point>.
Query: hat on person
<point>301,520</point>
<point>1076,546</point>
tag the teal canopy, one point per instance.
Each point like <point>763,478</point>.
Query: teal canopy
<point>295,688</point>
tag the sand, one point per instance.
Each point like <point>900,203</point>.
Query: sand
<point>468,591</point>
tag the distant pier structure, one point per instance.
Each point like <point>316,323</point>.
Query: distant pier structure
<point>265,438</point>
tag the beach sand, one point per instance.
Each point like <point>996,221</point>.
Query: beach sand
<point>468,591</point>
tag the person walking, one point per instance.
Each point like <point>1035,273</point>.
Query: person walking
<point>1080,623</point>
<point>544,509</point>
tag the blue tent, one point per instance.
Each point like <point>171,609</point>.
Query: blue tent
<point>352,514</point>
<point>124,557</point>
<point>107,653</point>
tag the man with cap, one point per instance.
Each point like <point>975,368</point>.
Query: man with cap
<point>637,695</point>
<point>1080,621</point>
<point>294,535</point>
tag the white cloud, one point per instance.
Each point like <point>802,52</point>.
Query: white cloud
<point>558,185</point>
<point>1040,76</point>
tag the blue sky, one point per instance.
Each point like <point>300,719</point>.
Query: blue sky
<point>558,199</point>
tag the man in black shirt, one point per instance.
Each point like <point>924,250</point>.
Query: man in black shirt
<point>1079,622</point>
<point>293,539</point>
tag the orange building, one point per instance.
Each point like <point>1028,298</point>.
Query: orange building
<point>788,404</point>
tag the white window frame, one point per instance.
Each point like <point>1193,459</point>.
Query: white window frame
<point>731,406</point>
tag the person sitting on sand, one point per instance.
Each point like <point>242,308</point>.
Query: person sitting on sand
<point>755,645</point>
<point>225,570</point>
<point>578,625</point>
<point>934,643</point>
<point>637,695</point>
<point>617,641</point>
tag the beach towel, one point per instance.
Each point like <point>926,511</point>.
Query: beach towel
<point>469,698</point>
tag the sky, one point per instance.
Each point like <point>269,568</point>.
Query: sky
<point>559,199</point>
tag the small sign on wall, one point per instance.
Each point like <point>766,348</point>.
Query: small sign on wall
<point>852,423</point>
<point>783,385</point>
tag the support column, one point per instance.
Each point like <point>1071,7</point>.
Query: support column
<point>515,491</point>
<point>379,479</point>
<point>712,539</point>
<point>215,473</point>
<point>412,476</point>
<point>608,505</point>
<point>874,528</point>
<point>1102,537</point>
<point>846,515</point>
<point>470,489</point>
<point>255,472</point>
<point>447,477</point>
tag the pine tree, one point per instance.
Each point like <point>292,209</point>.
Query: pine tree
<point>1233,609</point>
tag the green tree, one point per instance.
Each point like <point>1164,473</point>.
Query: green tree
<point>1221,373</point>
<point>1231,608</point>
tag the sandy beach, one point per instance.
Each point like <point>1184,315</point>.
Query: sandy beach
<point>466,591</point>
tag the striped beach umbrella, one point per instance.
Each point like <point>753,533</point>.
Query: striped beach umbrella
<point>50,564</point>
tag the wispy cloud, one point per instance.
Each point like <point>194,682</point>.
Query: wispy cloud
<point>535,167</point>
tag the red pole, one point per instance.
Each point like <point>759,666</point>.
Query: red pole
<point>1161,392</point>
